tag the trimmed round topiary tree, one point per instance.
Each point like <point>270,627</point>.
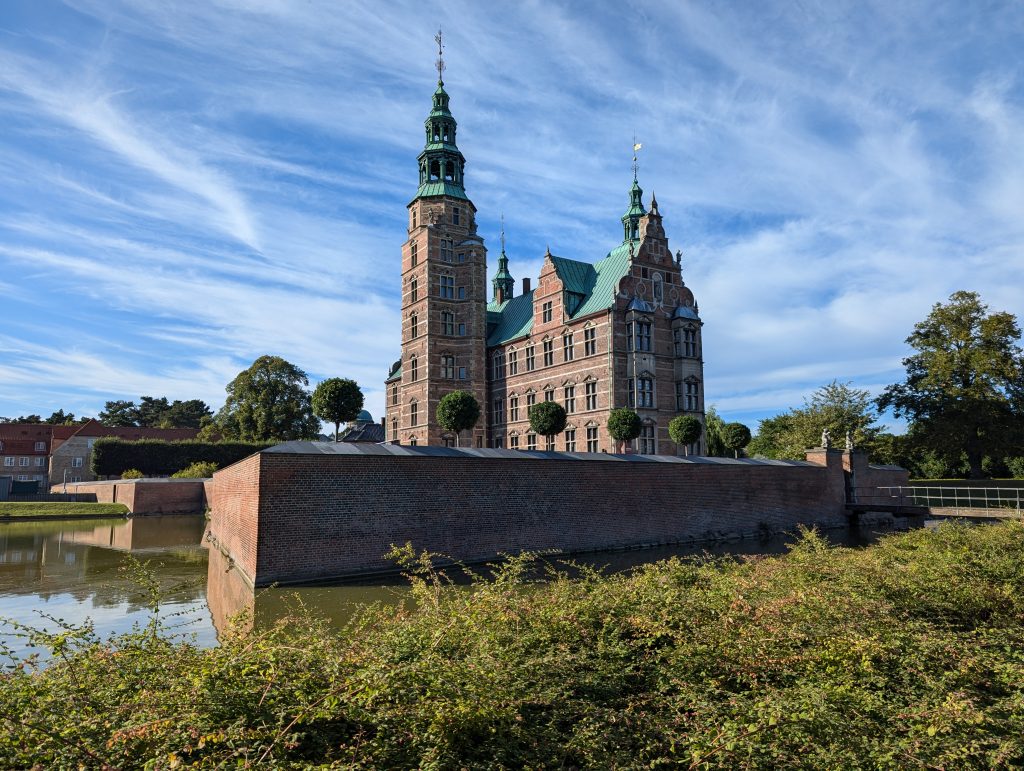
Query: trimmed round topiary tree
<point>624,425</point>
<point>736,436</point>
<point>337,400</point>
<point>547,418</point>
<point>684,430</point>
<point>457,412</point>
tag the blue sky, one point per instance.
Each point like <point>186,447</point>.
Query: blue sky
<point>189,185</point>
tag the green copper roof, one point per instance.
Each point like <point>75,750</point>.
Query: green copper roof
<point>514,318</point>
<point>597,285</point>
<point>636,204</point>
<point>436,187</point>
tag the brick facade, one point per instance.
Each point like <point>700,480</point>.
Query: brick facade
<point>301,512</point>
<point>624,332</point>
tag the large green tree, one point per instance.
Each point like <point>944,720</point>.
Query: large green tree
<point>119,412</point>
<point>458,411</point>
<point>189,413</point>
<point>964,391</point>
<point>268,402</point>
<point>337,400</point>
<point>839,407</point>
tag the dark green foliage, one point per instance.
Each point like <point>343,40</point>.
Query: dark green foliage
<point>736,437</point>
<point>23,419</point>
<point>684,430</point>
<point>337,400</point>
<point>547,418</point>
<point>61,418</point>
<point>268,402</point>
<point>132,473</point>
<point>155,412</point>
<point>839,407</point>
<point>964,390</point>
<point>458,411</point>
<point>904,655</point>
<point>155,457</point>
<point>198,470</point>
<point>624,424</point>
<point>713,425</point>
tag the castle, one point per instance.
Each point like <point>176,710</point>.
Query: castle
<point>622,332</point>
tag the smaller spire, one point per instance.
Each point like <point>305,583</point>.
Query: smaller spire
<point>503,283</point>
<point>654,203</point>
<point>503,232</point>
<point>547,253</point>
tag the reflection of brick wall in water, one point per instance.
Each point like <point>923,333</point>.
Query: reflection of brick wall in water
<point>287,515</point>
<point>227,593</point>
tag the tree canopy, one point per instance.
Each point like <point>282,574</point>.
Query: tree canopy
<point>268,402</point>
<point>624,424</point>
<point>736,437</point>
<point>547,418</point>
<point>839,407</point>
<point>684,430</point>
<point>337,400</point>
<point>458,411</point>
<point>964,389</point>
<point>155,412</point>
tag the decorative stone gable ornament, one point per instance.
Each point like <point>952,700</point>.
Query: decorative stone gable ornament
<point>826,439</point>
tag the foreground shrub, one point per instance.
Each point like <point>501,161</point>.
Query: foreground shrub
<point>200,470</point>
<point>908,654</point>
<point>132,473</point>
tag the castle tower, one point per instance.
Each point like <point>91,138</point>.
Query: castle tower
<point>444,293</point>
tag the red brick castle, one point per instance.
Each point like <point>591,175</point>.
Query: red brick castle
<point>622,332</point>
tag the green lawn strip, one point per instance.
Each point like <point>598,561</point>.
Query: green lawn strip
<point>59,509</point>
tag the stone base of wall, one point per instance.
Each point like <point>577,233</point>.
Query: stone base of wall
<point>304,511</point>
<point>144,496</point>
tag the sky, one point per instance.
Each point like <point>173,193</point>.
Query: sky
<point>188,185</point>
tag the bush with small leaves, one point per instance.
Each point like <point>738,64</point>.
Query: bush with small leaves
<point>132,473</point>
<point>624,424</point>
<point>736,437</point>
<point>200,470</point>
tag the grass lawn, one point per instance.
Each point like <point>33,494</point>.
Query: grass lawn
<point>59,509</point>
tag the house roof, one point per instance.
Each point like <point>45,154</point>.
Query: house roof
<point>593,285</point>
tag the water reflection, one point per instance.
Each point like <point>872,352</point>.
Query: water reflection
<point>72,570</point>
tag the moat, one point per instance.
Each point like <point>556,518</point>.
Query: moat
<point>74,570</point>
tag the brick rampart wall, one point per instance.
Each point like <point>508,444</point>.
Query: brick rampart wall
<point>286,516</point>
<point>145,496</point>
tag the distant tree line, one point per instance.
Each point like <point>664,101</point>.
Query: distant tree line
<point>963,397</point>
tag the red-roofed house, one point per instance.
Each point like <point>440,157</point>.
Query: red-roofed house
<point>24,451</point>
<point>71,451</point>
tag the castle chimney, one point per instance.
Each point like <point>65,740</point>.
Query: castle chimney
<point>526,286</point>
<point>499,296</point>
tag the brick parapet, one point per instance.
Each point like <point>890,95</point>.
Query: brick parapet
<point>293,517</point>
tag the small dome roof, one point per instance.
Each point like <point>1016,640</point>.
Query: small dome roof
<point>364,417</point>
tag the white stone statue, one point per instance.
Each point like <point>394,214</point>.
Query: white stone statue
<point>826,439</point>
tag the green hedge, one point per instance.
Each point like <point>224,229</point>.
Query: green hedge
<point>155,457</point>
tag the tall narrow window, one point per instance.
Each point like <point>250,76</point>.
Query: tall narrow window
<point>455,213</point>
<point>414,369</point>
<point>570,399</point>
<point>690,342</point>
<point>394,429</point>
<point>513,408</point>
<point>638,336</point>
<point>448,367</point>
<point>414,218</point>
<point>446,287</point>
<point>531,361</point>
<point>531,441</point>
<point>499,411</point>
<point>645,392</point>
<point>513,441</point>
<point>413,252</point>
<point>499,365</point>
<point>394,394</point>
<point>546,312</point>
<point>414,413</point>
<point>692,388</point>
<point>570,440</point>
<point>531,399</point>
<point>413,290</point>
<point>677,342</point>
<point>447,323</point>
<point>549,352</point>
<point>645,444</point>
<point>592,439</point>
<point>589,341</point>
<point>567,348</point>
<point>513,362</point>
<point>549,443</point>
<point>414,325</point>
<point>446,250</point>
<point>590,392</point>
<point>549,394</point>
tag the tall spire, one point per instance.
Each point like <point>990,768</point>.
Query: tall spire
<point>631,219</point>
<point>504,284</point>
<point>441,164</point>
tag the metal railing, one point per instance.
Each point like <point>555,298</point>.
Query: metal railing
<point>1008,499</point>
